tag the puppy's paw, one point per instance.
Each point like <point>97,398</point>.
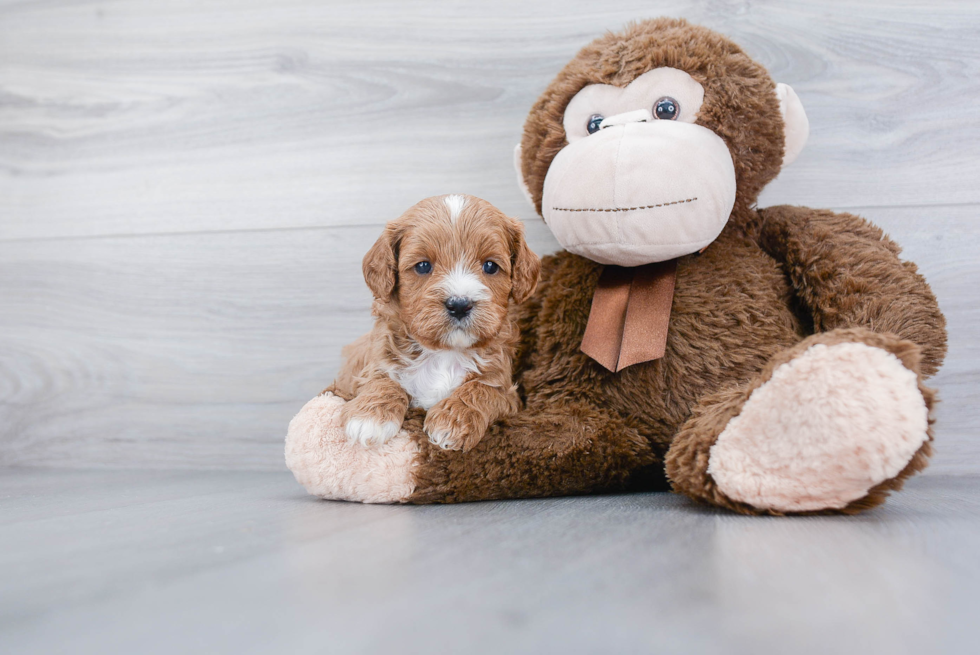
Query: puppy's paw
<point>453,425</point>
<point>365,423</point>
<point>367,430</point>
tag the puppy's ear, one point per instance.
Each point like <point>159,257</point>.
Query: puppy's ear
<point>525,265</point>
<point>380,264</point>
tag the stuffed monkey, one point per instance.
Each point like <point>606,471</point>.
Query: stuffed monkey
<point>768,361</point>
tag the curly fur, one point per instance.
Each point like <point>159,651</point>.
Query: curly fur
<point>417,354</point>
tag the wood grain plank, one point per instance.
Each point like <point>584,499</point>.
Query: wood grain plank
<point>143,117</point>
<point>195,350</point>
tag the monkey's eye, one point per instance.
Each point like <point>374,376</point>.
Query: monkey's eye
<point>666,109</point>
<point>423,268</point>
<point>593,125</point>
<point>490,267</point>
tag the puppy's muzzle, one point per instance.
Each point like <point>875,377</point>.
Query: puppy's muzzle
<point>458,307</point>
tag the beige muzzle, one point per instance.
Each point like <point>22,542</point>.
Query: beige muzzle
<point>640,190</point>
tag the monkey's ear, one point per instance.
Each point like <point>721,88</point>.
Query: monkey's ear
<point>380,265</point>
<point>795,123</point>
<point>525,265</point>
<point>520,177</point>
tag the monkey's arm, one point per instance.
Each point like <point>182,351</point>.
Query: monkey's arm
<point>847,273</point>
<point>549,449</point>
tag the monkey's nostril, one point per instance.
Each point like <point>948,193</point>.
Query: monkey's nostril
<point>459,307</point>
<point>638,116</point>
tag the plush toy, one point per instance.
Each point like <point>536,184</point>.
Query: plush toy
<point>762,360</point>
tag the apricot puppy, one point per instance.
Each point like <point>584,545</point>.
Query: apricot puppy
<point>443,275</point>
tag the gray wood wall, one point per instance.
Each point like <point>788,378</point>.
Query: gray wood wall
<point>187,188</point>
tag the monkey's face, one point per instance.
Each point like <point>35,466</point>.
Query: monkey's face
<point>643,144</point>
<point>639,181</point>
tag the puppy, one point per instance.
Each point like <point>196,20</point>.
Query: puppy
<point>443,275</point>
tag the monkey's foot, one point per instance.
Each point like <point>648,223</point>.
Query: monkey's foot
<point>835,425</point>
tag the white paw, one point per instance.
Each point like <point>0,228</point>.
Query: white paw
<point>367,431</point>
<point>822,431</point>
<point>442,438</point>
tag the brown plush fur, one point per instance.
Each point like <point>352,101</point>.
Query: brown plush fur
<point>773,283</point>
<point>411,317</point>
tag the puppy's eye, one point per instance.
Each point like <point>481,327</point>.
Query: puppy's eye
<point>666,109</point>
<point>594,121</point>
<point>490,267</point>
<point>423,268</point>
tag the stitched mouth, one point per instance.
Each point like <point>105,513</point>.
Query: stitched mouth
<point>623,209</point>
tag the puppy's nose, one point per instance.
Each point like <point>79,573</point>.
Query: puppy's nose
<point>459,307</point>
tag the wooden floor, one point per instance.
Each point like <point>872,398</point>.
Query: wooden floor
<point>244,562</point>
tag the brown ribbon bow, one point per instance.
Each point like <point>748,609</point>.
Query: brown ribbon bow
<point>630,313</point>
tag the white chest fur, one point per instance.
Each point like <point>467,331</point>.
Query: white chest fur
<point>434,374</point>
